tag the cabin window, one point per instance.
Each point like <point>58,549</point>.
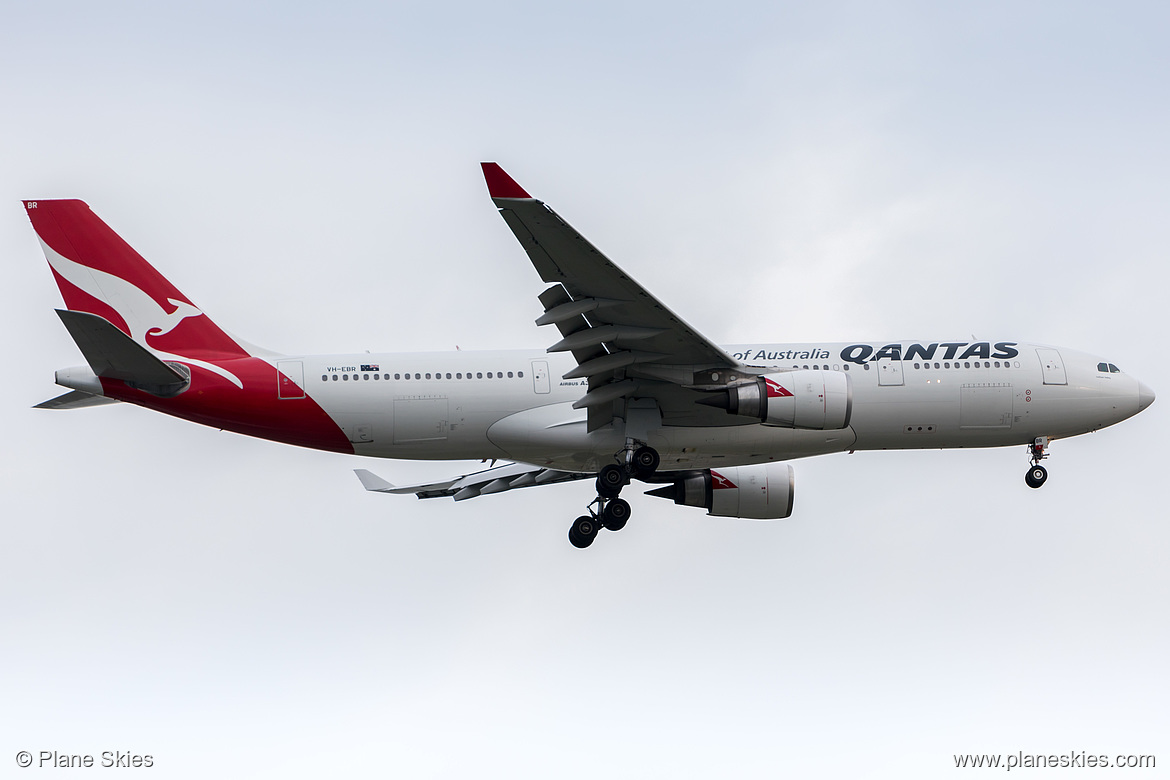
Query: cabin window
<point>916,365</point>
<point>509,374</point>
<point>335,377</point>
<point>479,375</point>
<point>520,374</point>
<point>846,366</point>
<point>345,377</point>
<point>867,366</point>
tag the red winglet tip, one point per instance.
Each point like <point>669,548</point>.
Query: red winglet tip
<point>500,184</point>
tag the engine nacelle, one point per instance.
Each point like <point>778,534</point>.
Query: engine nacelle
<point>815,400</point>
<point>760,492</point>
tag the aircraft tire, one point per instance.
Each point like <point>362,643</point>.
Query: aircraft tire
<point>615,514</point>
<point>610,481</point>
<point>1036,476</point>
<point>583,532</point>
<point>645,461</point>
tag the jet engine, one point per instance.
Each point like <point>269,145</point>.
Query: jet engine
<point>815,400</point>
<point>760,492</point>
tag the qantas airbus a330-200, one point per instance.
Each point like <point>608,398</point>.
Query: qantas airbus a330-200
<point>627,391</point>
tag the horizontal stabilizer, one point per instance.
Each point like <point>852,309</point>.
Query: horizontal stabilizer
<point>75,400</point>
<point>114,355</point>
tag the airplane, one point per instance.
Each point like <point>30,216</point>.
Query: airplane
<point>627,390</point>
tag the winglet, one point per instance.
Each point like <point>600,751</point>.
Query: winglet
<point>500,184</point>
<point>373,481</point>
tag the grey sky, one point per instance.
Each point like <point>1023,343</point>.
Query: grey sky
<point>308,176</point>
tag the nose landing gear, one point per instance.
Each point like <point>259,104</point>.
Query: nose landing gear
<point>1037,475</point>
<point>612,512</point>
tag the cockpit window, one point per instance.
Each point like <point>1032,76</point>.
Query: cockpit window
<point>1114,369</point>
<point>1103,368</point>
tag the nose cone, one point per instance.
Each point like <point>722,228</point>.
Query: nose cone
<point>1145,396</point>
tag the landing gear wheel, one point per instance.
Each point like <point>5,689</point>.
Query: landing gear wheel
<point>645,461</point>
<point>1036,476</point>
<point>615,514</point>
<point>610,481</point>
<point>583,532</point>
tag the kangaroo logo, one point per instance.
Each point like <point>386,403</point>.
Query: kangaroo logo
<point>143,315</point>
<point>720,482</point>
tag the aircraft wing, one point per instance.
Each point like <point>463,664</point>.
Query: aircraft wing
<point>493,480</point>
<point>625,341</point>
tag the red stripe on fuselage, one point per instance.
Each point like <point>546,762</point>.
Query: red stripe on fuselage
<point>254,410</point>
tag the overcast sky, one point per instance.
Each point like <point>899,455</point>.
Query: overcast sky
<point>307,174</point>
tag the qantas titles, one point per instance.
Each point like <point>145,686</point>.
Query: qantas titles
<point>863,353</point>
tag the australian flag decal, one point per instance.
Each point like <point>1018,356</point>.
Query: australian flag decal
<point>370,367</point>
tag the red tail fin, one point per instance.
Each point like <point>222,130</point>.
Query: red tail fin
<point>99,273</point>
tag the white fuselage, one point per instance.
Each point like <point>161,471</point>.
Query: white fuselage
<point>514,405</point>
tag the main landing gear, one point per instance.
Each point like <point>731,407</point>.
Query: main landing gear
<point>608,510</point>
<point>1037,475</point>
